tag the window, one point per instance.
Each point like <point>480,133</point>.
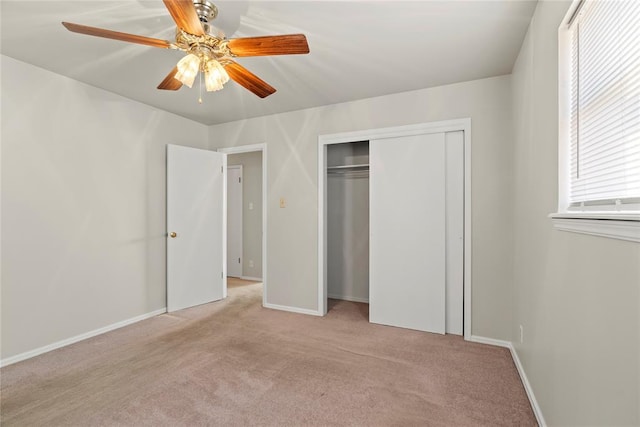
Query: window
<point>600,115</point>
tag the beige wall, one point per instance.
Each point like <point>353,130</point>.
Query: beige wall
<point>576,296</point>
<point>83,206</point>
<point>292,157</point>
<point>251,218</point>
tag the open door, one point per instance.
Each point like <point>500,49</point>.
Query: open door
<point>407,232</point>
<point>196,229</point>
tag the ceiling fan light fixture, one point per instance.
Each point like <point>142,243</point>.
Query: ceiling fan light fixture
<point>208,51</point>
<point>188,69</point>
<point>215,75</point>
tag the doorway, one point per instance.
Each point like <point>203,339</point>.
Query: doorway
<point>244,215</point>
<point>387,143</point>
<point>235,226</point>
<point>252,218</point>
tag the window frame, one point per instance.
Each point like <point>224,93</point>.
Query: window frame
<point>614,220</point>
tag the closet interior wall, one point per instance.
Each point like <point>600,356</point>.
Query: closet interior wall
<point>348,221</point>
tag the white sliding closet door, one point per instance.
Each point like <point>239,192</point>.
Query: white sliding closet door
<point>407,232</point>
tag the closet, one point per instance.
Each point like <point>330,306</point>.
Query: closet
<point>348,221</point>
<point>395,228</point>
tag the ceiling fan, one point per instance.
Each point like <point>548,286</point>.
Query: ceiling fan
<point>208,50</point>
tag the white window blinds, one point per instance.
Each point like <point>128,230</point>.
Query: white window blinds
<point>605,103</point>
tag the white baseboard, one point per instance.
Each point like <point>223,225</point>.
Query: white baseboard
<point>490,341</point>
<point>347,298</point>
<point>56,345</point>
<point>292,309</point>
<point>253,279</point>
<point>523,376</point>
<point>527,387</point>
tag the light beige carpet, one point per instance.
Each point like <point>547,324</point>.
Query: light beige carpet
<point>236,363</point>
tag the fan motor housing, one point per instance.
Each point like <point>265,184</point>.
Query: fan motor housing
<point>206,10</point>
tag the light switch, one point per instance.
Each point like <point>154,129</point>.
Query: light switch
<point>283,204</point>
<point>250,206</point>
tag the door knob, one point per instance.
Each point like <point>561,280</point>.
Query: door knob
<point>173,234</point>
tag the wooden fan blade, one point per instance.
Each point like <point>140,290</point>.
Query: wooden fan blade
<point>170,82</point>
<point>290,44</point>
<point>184,14</point>
<point>115,35</point>
<point>249,80</point>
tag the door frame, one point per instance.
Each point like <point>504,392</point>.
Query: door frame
<point>249,149</point>
<point>464,125</point>
<point>229,167</point>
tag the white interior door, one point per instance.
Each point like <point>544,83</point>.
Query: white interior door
<point>196,213</point>
<point>234,221</point>
<point>407,232</point>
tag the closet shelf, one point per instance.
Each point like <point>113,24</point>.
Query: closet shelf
<point>345,167</point>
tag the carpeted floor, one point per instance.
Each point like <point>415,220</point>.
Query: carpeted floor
<point>236,363</point>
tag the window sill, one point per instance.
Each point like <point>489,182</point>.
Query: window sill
<point>614,225</point>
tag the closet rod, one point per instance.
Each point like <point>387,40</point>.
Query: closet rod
<point>348,167</point>
<point>352,172</point>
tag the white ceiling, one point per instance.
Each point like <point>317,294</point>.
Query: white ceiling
<point>359,49</point>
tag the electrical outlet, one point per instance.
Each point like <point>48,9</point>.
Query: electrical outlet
<point>283,203</point>
<point>521,334</point>
<point>250,263</point>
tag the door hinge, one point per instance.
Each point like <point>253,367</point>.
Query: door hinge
<point>222,274</point>
<point>238,260</point>
<point>239,180</point>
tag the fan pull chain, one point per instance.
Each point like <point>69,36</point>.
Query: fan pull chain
<point>200,90</point>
